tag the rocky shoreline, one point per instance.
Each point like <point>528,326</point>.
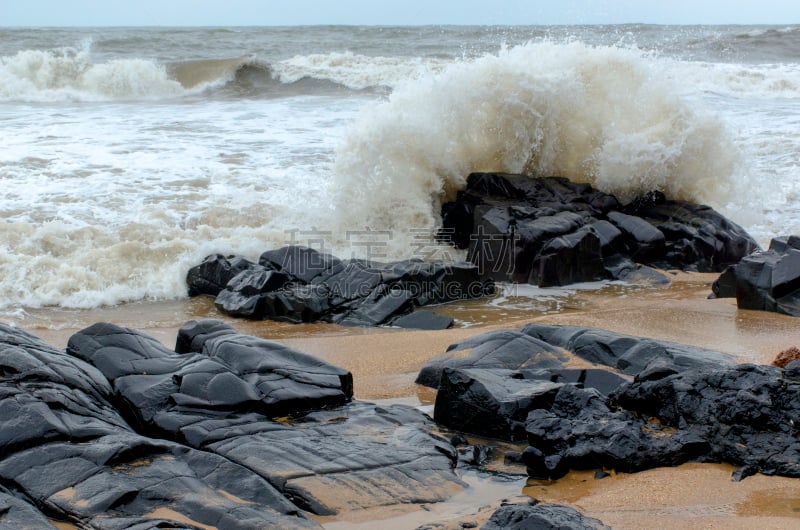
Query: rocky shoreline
<point>230,430</point>
<point>131,424</point>
<point>540,231</point>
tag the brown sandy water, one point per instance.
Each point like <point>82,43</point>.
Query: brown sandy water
<point>385,362</point>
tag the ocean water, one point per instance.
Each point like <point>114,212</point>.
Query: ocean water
<point>129,154</point>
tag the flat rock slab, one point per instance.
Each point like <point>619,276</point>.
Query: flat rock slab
<point>219,370</point>
<point>353,457</point>
<point>627,353</point>
<point>67,450</point>
<point>283,415</point>
<point>506,350</point>
<point>18,514</point>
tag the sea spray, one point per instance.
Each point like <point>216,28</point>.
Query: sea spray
<point>603,115</point>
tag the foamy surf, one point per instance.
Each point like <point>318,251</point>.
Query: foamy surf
<point>603,115</point>
<point>67,74</point>
<point>128,159</point>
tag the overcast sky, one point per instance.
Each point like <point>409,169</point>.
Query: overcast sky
<point>399,12</point>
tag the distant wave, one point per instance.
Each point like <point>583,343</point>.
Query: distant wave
<point>68,74</point>
<point>605,115</point>
<point>761,44</point>
<point>356,71</point>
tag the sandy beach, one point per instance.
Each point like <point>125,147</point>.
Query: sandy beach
<point>385,362</point>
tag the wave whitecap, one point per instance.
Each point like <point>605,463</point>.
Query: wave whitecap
<point>604,115</point>
<point>68,74</point>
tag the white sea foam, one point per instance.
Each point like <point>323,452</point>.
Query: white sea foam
<point>68,74</point>
<point>735,79</point>
<point>356,71</point>
<point>115,202</point>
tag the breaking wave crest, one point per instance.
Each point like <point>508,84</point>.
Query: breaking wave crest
<point>604,115</point>
<point>68,74</point>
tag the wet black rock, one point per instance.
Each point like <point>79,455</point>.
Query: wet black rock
<point>300,284</point>
<point>16,513</point>
<point>506,375</point>
<point>211,276</point>
<point>627,353</point>
<point>696,236</point>
<point>302,263</point>
<point>580,431</point>
<point>230,394</point>
<point>538,347</point>
<point>748,415</point>
<point>550,231</point>
<point>541,517</point>
<point>744,415</point>
<point>226,371</point>
<point>495,402</point>
<point>683,404</point>
<point>66,449</point>
<point>567,259</point>
<point>423,320</point>
<point>508,350</point>
<point>765,281</point>
<point>492,403</point>
<point>355,456</point>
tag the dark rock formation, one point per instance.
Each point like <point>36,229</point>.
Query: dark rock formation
<point>229,393</point>
<point>220,370</point>
<point>580,431</point>
<point>540,517</point>
<point>492,403</point>
<point>684,403</point>
<point>214,446</point>
<point>629,354</point>
<point>507,374</point>
<point>16,513</point>
<point>550,231</point>
<point>748,415</point>
<point>65,448</point>
<point>300,284</point>
<point>211,276</point>
<point>765,281</point>
<point>745,415</point>
<point>507,350</point>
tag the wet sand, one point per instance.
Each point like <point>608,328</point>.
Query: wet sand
<point>385,362</point>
